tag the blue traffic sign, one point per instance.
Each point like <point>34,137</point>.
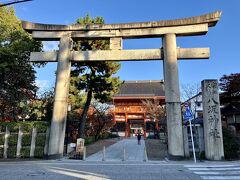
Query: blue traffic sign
<point>186,105</point>
<point>187,115</point>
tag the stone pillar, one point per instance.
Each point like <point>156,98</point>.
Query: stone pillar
<point>212,120</point>
<point>172,94</point>
<point>7,134</point>
<point>19,143</point>
<point>115,44</point>
<point>33,142</point>
<point>59,117</point>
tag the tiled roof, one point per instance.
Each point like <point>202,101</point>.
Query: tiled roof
<point>230,109</point>
<point>141,88</point>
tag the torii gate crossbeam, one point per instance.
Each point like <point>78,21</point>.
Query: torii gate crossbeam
<point>169,53</point>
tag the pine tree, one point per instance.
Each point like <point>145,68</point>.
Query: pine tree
<point>95,78</point>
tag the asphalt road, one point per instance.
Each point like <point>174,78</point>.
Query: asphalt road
<point>74,169</point>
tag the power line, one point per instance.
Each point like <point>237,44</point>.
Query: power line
<point>13,2</point>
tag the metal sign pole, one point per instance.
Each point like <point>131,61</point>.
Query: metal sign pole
<point>194,155</point>
<point>187,115</point>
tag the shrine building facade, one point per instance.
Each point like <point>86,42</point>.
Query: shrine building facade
<point>130,112</point>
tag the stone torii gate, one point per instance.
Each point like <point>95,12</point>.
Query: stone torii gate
<point>168,30</point>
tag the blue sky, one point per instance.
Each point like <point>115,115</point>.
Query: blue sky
<point>223,39</point>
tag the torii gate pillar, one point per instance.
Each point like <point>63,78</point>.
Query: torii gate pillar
<point>172,96</point>
<point>59,117</point>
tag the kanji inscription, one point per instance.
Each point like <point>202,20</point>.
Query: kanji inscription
<point>212,120</point>
<point>212,108</point>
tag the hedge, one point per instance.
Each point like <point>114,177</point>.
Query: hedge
<point>40,140</point>
<point>39,152</point>
<point>1,152</point>
<point>26,139</point>
<point>2,129</point>
<point>12,140</point>
<point>26,125</point>
<point>231,145</point>
<point>25,152</point>
<point>11,152</point>
<point>89,140</point>
<point>27,128</point>
<point>2,139</point>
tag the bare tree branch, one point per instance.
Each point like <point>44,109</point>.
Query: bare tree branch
<point>190,90</point>
<point>154,109</point>
<point>13,2</point>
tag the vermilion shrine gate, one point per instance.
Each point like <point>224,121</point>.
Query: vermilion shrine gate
<point>169,53</point>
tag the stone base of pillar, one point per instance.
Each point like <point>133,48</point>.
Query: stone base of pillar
<point>175,158</point>
<point>175,132</point>
<point>53,156</point>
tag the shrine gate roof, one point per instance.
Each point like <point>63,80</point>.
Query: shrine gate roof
<point>211,19</point>
<point>141,89</point>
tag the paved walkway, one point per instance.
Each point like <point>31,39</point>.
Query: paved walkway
<point>115,152</point>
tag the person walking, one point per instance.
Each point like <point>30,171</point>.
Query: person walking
<point>139,138</point>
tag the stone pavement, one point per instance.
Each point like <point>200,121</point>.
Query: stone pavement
<point>115,152</point>
<point>223,171</point>
<point>118,170</point>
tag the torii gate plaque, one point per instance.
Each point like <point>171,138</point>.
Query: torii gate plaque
<point>168,30</point>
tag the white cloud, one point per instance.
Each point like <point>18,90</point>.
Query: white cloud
<point>43,85</point>
<point>23,9</point>
<point>50,45</point>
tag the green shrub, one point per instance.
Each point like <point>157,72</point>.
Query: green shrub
<point>11,152</point>
<point>13,127</point>
<point>2,139</point>
<point>41,126</point>
<point>231,145</point>
<point>25,152</point>
<point>26,125</point>
<point>26,139</point>
<point>89,140</point>
<point>12,140</point>
<point>1,152</point>
<point>202,155</point>
<point>105,135</point>
<point>39,151</point>
<point>40,140</point>
<point>114,136</point>
<point>2,129</point>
